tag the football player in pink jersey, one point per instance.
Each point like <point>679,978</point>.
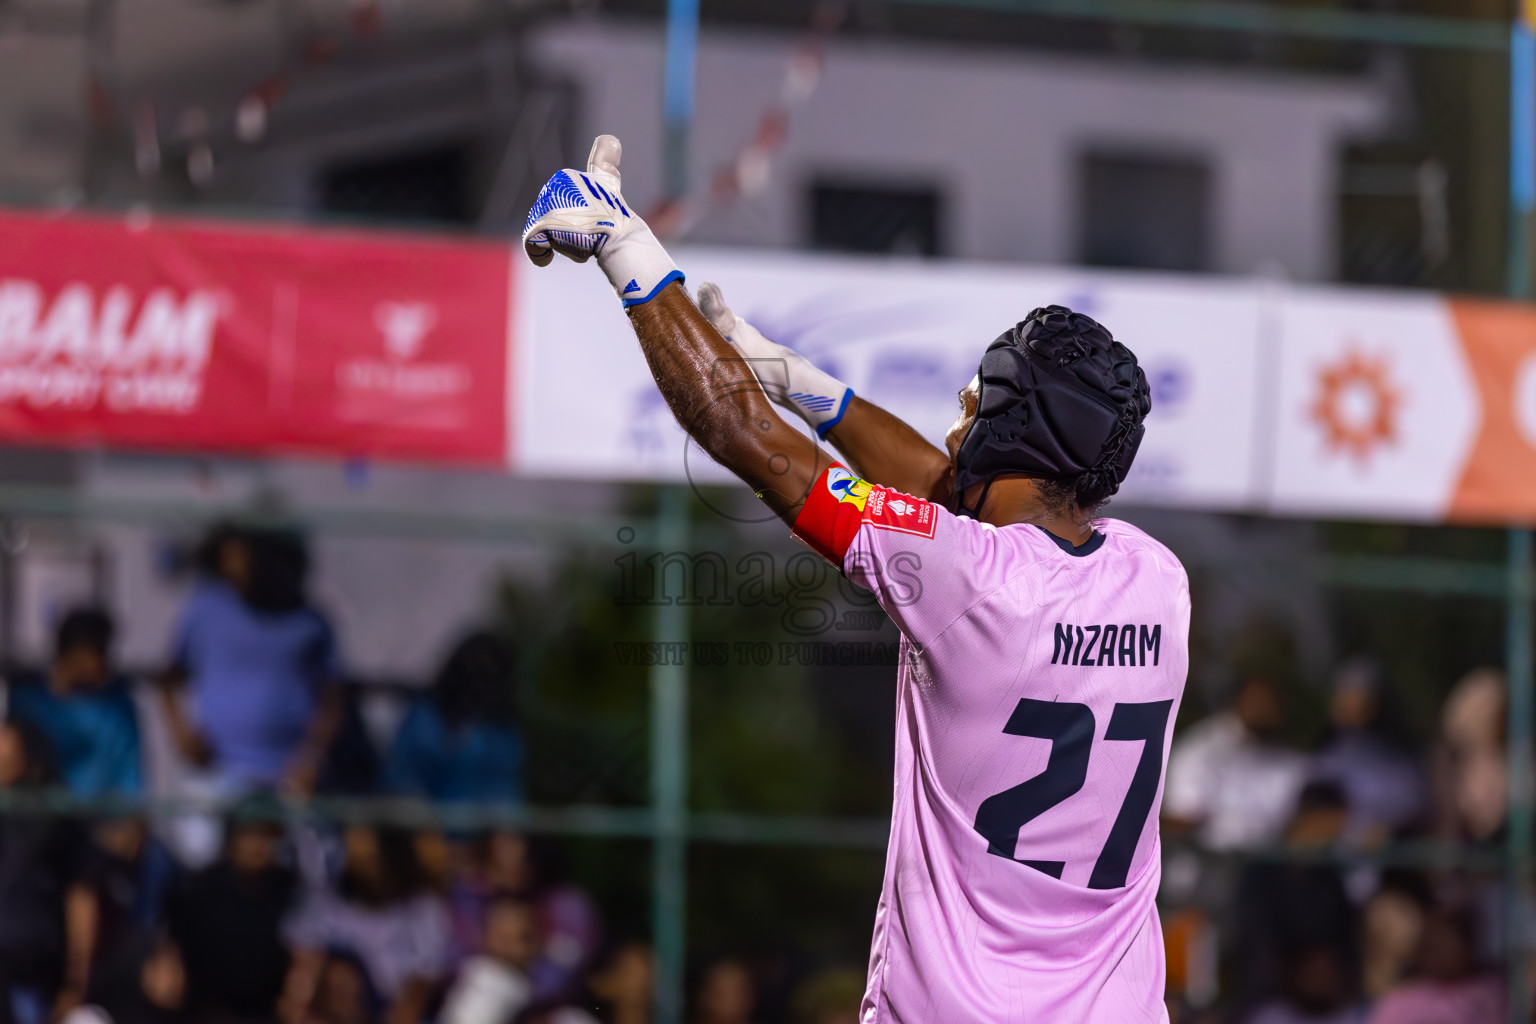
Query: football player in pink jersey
<point>1044,649</point>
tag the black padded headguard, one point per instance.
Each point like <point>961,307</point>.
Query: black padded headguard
<point>1060,398</point>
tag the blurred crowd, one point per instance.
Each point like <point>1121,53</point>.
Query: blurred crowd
<point>1313,930</point>
<point>260,912</point>
<point>257,912</point>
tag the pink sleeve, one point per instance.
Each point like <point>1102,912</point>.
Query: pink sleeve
<point>922,563</point>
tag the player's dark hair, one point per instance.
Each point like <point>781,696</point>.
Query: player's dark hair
<point>1060,496</point>
<point>1061,400</point>
<point>90,629</point>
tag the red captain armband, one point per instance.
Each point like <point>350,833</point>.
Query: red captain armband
<point>833,513</point>
<point>840,503</point>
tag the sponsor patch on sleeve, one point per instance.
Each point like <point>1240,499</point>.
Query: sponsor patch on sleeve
<point>830,517</point>
<point>840,503</point>
<point>892,510</point>
<point>847,488</point>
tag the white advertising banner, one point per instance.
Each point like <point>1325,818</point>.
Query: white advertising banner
<point>1375,406</point>
<point>1299,400</point>
<point>1266,397</point>
<point>905,334</point>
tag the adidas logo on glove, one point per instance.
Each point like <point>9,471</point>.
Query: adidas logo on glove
<point>582,215</point>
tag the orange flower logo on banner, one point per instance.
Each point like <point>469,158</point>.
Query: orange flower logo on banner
<point>1357,405</point>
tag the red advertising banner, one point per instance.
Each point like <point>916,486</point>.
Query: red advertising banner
<point>193,336</point>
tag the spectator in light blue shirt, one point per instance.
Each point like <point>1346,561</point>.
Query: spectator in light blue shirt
<point>261,664</point>
<point>83,709</point>
<point>460,742</point>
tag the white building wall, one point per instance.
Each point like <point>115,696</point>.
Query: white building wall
<point>43,113</point>
<point>999,132</point>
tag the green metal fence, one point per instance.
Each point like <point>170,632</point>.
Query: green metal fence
<point>668,822</point>
<point>1516,43</point>
<point>670,825</point>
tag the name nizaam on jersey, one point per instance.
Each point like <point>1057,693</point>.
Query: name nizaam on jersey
<point>1108,644</point>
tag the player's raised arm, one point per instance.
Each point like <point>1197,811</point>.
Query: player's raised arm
<point>878,446</point>
<point>708,386</point>
<point>721,404</point>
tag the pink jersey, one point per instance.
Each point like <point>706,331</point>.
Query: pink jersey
<point>1036,697</point>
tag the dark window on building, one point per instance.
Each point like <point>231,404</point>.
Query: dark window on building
<point>1144,210</point>
<point>430,185</point>
<point>850,217</point>
<point>1395,218</point>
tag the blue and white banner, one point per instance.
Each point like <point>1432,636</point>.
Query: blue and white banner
<point>906,334</point>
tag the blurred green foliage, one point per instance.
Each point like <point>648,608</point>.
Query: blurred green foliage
<point>764,739</point>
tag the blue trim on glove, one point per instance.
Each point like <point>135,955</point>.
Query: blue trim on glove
<point>676,275</point>
<point>826,428</point>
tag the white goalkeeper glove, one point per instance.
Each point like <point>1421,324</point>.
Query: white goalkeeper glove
<point>581,215</point>
<point>788,378</point>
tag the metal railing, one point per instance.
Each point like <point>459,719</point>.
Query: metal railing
<point>672,827</point>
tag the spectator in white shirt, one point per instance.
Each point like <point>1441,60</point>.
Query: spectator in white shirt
<point>382,910</point>
<point>1228,780</point>
<point>493,987</point>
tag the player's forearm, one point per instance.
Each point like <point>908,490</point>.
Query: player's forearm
<point>886,450</point>
<point>720,403</point>
<point>878,446</point>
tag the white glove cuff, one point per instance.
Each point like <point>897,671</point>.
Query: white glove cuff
<point>820,398</point>
<point>637,266</point>
<point>788,377</point>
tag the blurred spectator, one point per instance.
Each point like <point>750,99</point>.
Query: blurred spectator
<point>437,857</point>
<point>127,874</point>
<point>352,765</point>
<point>228,916</point>
<point>382,911</point>
<point>508,864</point>
<point>1391,924</point>
<point>1384,787</point>
<point>1295,919</point>
<point>1447,988</point>
<point>1315,990</point>
<point>1471,777</point>
<point>45,949</point>
<point>493,987</point>
<point>260,661</point>
<point>343,995</point>
<point>623,984</point>
<point>83,708</point>
<point>1227,778</point>
<point>145,984</point>
<point>830,997</point>
<point>726,994</point>
<point>460,741</point>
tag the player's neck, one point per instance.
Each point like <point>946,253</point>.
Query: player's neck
<point>1016,499</point>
